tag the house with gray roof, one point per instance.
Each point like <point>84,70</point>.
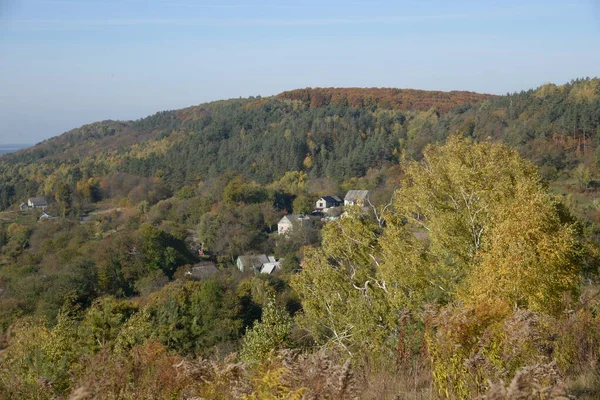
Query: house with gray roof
<point>202,270</point>
<point>37,202</point>
<point>326,202</point>
<point>252,262</point>
<point>356,198</point>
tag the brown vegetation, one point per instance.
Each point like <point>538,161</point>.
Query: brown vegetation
<point>395,99</point>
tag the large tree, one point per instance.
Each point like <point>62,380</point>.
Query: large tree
<point>471,223</point>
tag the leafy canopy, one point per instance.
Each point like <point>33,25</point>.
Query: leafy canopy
<point>471,223</point>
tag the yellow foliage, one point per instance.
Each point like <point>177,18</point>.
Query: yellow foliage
<point>586,91</point>
<point>308,162</point>
<point>547,90</point>
<point>270,386</point>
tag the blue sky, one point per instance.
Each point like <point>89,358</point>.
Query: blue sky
<point>64,63</point>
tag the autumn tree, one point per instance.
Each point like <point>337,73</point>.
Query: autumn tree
<point>471,223</point>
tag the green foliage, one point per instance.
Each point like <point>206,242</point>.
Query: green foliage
<point>18,234</point>
<point>269,334</point>
<point>472,230</point>
<point>38,360</point>
<point>340,302</point>
<point>292,182</point>
<point>303,205</point>
<point>234,230</point>
<point>103,322</point>
<point>473,263</point>
<point>161,250</point>
<point>193,317</point>
<point>240,191</point>
<point>582,176</point>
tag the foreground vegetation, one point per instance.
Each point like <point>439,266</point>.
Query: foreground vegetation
<point>473,273</point>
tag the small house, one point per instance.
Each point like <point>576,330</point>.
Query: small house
<point>251,262</point>
<point>202,270</point>
<point>23,207</point>
<point>356,198</point>
<point>289,222</point>
<point>326,202</point>
<point>37,202</point>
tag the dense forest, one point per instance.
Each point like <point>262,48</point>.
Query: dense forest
<point>472,272</point>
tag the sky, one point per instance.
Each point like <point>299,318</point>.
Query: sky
<point>65,63</point>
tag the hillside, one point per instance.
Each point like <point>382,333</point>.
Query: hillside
<point>473,264</point>
<point>110,135</point>
<point>335,133</point>
<point>260,137</point>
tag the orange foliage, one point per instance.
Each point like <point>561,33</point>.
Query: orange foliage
<point>397,99</point>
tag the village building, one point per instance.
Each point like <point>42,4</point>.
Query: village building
<point>356,198</point>
<point>289,222</point>
<point>202,270</point>
<point>259,263</point>
<point>37,202</point>
<point>252,262</point>
<point>326,202</point>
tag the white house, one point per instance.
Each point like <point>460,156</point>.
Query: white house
<point>326,202</point>
<point>37,202</point>
<point>356,198</point>
<point>289,222</point>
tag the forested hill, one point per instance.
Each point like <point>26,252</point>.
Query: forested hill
<point>337,133</point>
<point>110,135</point>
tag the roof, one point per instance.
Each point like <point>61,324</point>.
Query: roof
<point>269,268</point>
<point>253,260</point>
<point>331,199</point>
<point>356,195</point>
<point>293,218</point>
<point>203,270</point>
<point>38,201</point>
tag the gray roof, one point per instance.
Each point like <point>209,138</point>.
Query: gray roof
<point>253,260</point>
<point>331,199</point>
<point>269,268</point>
<point>39,201</point>
<point>353,195</point>
<point>203,270</point>
<point>293,217</point>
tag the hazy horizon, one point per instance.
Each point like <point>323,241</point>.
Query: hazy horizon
<point>6,148</point>
<point>68,63</point>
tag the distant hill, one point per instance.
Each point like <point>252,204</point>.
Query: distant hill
<point>112,135</point>
<point>11,148</point>
<point>326,132</point>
